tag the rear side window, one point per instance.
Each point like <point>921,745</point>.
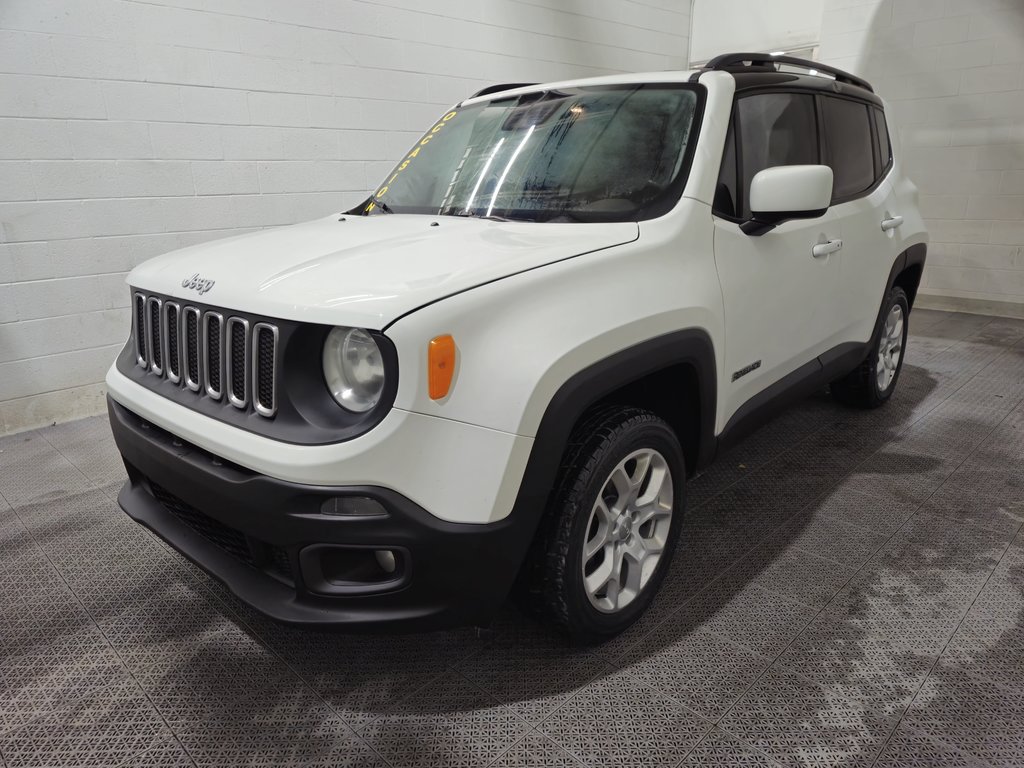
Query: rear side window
<point>849,150</point>
<point>774,129</point>
<point>882,142</point>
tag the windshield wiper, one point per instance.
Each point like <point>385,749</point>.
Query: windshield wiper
<point>383,206</point>
<point>491,217</point>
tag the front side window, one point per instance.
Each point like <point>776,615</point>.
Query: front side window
<point>849,146</point>
<point>601,153</point>
<point>774,129</point>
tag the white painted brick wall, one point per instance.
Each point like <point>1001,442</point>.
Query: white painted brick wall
<point>953,74</point>
<point>133,127</point>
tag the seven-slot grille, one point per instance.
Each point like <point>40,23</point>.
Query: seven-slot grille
<point>216,355</point>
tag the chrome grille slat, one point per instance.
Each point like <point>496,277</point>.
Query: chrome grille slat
<point>139,329</point>
<point>213,354</point>
<point>231,359</point>
<point>264,369</point>
<point>237,338</point>
<point>190,331</point>
<point>153,336</point>
<point>171,341</point>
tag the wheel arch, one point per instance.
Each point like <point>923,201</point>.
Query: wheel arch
<point>907,270</point>
<point>657,370</point>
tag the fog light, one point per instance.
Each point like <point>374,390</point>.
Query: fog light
<point>386,560</point>
<point>352,506</point>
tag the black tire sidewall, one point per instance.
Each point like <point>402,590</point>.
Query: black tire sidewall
<point>585,620</point>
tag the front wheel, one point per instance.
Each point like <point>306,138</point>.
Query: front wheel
<point>872,383</point>
<point>611,526</point>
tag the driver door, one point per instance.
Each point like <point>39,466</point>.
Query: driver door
<point>780,298</point>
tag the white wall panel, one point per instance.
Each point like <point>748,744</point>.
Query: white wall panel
<point>130,128</point>
<point>953,74</point>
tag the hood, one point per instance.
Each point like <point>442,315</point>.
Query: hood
<point>365,271</point>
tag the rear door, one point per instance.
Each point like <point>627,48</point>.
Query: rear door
<point>857,149</point>
<point>779,298</point>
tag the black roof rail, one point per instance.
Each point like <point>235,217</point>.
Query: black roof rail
<point>732,61</point>
<point>500,87</point>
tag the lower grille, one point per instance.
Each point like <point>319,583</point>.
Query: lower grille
<point>253,553</point>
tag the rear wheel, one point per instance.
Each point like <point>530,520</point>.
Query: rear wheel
<point>611,526</point>
<point>873,381</point>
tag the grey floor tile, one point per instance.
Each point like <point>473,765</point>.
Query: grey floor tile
<point>531,670</point>
<point>364,676</point>
<point>796,721</point>
<point>536,751</point>
<point>908,749</point>
<point>792,573</point>
<point>755,618</point>
<point>618,720</point>
<point>964,504</point>
<point>894,476</point>
<point>719,748</point>
<point>1005,483</point>
<point>329,743</point>
<point>882,516</point>
<point>105,728</point>
<point>980,718</point>
<point>451,722</point>
<point>828,536</point>
<point>166,753</point>
<point>701,670</point>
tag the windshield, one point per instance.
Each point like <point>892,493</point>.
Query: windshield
<point>603,153</point>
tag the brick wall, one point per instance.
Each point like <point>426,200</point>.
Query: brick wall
<point>953,74</point>
<point>128,129</point>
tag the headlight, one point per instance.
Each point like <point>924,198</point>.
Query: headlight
<point>353,368</point>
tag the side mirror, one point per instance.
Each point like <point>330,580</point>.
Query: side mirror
<point>787,192</point>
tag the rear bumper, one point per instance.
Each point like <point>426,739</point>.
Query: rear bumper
<point>261,536</point>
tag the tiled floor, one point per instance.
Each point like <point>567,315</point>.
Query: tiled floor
<point>849,591</point>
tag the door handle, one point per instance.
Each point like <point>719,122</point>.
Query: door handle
<point>824,249</point>
<point>891,223</point>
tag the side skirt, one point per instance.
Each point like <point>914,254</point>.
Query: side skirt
<point>791,388</point>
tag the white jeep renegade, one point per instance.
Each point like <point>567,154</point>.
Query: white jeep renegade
<point>503,366</point>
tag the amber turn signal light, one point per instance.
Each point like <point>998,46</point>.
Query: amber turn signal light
<point>440,366</point>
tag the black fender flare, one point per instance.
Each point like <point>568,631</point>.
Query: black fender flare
<point>692,346</point>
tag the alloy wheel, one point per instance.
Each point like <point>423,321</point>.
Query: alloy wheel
<point>627,530</point>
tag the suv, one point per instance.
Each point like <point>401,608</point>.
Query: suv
<point>501,369</point>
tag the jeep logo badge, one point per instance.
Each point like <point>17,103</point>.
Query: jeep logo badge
<point>196,283</point>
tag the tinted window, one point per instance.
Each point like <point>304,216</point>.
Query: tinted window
<point>725,192</point>
<point>848,141</point>
<point>775,129</point>
<point>882,133</point>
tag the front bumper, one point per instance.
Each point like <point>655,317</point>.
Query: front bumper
<point>257,535</point>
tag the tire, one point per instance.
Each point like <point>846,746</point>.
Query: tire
<point>872,383</point>
<point>647,451</point>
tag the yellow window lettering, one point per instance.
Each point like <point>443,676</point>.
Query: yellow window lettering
<point>448,117</point>
<point>403,166</point>
<point>426,140</point>
<point>392,179</point>
<point>437,128</point>
<point>414,153</point>
<point>383,191</point>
